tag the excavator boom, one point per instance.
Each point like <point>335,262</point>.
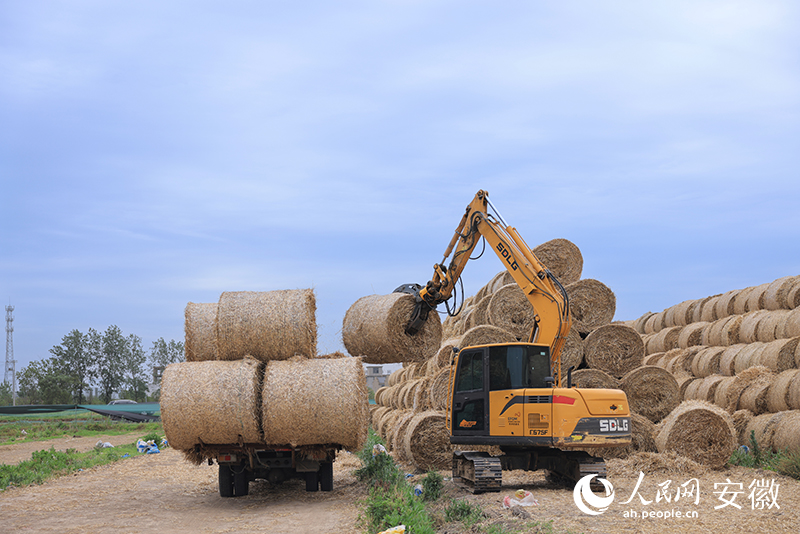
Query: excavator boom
<point>547,296</point>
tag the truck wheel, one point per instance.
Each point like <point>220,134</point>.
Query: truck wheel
<point>312,481</point>
<point>241,483</point>
<point>225,481</point>
<point>326,476</point>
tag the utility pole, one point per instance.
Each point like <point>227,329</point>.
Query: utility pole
<point>10,368</point>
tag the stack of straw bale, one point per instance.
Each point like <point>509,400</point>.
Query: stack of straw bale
<point>739,350</point>
<point>253,377</point>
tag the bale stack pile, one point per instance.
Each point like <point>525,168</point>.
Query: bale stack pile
<point>740,351</point>
<point>498,313</point>
<point>252,376</point>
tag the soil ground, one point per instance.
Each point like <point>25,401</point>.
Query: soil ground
<point>163,492</point>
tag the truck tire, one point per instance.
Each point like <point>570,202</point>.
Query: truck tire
<point>241,482</point>
<point>326,476</point>
<point>312,481</point>
<point>225,481</point>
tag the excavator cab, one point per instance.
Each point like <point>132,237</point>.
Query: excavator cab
<point>497,391</point>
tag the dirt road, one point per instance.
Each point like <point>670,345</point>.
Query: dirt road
<point>164,493</point>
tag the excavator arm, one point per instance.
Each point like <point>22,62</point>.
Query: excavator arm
<point>547,296</point>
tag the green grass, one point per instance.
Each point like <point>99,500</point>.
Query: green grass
<point>72,424</point>
<point>463,511</point>
<point>47,464</point>
<point>783,462</point>
<point>391,499</point>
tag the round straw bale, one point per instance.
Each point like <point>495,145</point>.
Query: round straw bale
<point>697,311</point>
<point>439,390</point>
<point>790,325</point>
<point>431,366</point>
<point>594,378</point>
<point>708,388</point>
<point>480,313</point>
<point>201,335</point>
<point>571,351</point>
<point>709,311</point>
<point>768,325</point>
<point>692,389</point>
<point>754,397</point>
<point>592,304</point>
<point>398,432</point>
<point>403,395</point>
<point>721,393</point>
<point>377,415</point>
<point>786,436</point>
<point>653,359</point>
<point>652,392</point>
<point>615,349</point>
<point>775,297</point>
<point>445,355</point>
<point>638,325</point>
<point>394,377</point>
<point>755,300</point>
<point>727,359</point>
<point>793,397</point>
<point>421,369</point>
<point>682,360</point>
<point>315,402</point>
<point>650,323</point>
<point>685,382</point>
<point>742,418</point>
<point>562,258</point>
<point>670,313</point>
<point>748,357</point>
<point>391,428</point>
<point>666,339</point>
<point>778,356</point>
<point>378,394</point>
<point>755,428</point>
<point>723,332</point>
<point>422,395</point>
<point>707,361</point>
<point>484,335</point>
<point>649,341</point>
<point>643,439</point>
<point>691,334</point>
<point>374,327</point>
<point>740,300</point>
<point>211,402</point>
<point>510,309</point>
<point>724,304</point>
<point>701,431</point>
<point>386,423</point>
<point>427,441</point>
<point>778,395</point>
<point>268,325</point>
<point>740,383</point>
<point>793,297</point>
<point>503,278</point>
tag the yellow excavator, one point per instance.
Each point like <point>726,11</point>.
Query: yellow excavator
<point>511,395</point>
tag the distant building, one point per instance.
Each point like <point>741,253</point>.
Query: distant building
<point>376,377</point>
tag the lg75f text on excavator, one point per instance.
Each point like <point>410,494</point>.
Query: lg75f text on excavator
<point>511,395</point>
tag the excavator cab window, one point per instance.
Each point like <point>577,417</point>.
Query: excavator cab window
<point>518,367</point>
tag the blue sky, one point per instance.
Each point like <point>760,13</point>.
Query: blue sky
<point>156,153</point>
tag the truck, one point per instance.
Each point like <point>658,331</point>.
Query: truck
<point>241,463</point>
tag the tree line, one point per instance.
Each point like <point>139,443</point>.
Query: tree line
<point>109,361</point>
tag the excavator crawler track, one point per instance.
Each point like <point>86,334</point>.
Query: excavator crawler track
<point>477,471</point>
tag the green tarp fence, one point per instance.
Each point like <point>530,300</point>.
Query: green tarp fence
<point>145,411</point>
